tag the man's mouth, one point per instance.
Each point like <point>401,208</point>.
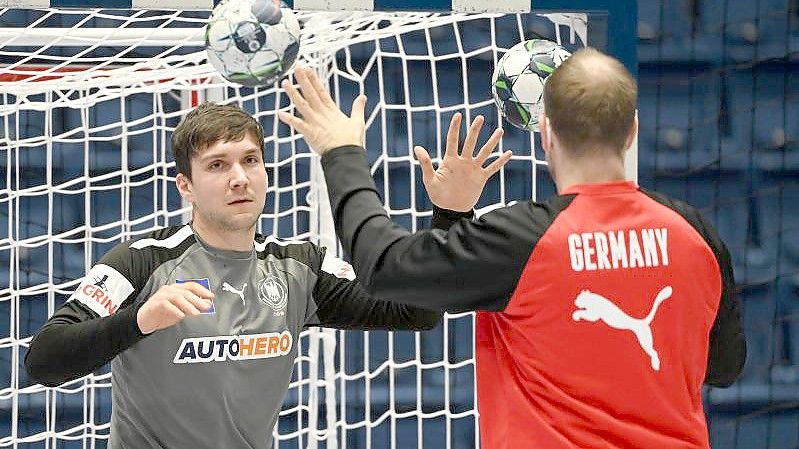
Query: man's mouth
<point>239,202</point>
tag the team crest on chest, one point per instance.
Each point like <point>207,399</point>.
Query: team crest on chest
<point>272,291</point>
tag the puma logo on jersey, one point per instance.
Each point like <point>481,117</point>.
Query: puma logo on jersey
<point>593,307</point>
<point>229,288</point>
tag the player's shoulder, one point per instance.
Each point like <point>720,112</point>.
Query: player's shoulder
<point>684,212</point>
<point>163,238</point>
<point>527,210</point>
<point>135,259</point>
<point>678,206</point>
<point>167,242</point>
<point>303,251</point>
<point>689,214</point>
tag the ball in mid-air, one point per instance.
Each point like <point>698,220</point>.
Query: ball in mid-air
<point>518,80</point>
<point>252,42</point>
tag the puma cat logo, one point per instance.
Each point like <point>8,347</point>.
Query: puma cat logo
<point>593,307</point>
<point>229,288</point>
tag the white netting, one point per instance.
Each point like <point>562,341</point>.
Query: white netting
<point>87,113</point>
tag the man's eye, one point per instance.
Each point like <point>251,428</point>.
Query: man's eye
<point>215,165</point>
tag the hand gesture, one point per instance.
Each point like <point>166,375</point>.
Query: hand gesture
<point>171,304</point>
<point>323,125</point>
<point>460,177</point>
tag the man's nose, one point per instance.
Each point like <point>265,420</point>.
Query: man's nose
<point>238,176</point>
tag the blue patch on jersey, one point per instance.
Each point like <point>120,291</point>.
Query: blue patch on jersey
<point>205,283</point>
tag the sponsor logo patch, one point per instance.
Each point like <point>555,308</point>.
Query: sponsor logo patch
<point>103,290</point>
<point>236,347</point>
<point>205,283</point>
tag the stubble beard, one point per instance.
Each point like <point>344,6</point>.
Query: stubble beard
<point>229,224</point>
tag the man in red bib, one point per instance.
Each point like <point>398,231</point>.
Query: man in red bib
<point>601,311</point>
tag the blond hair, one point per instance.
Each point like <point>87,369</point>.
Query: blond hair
<point>590,101</point>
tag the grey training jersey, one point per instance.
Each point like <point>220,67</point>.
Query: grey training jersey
<point>215,380</point>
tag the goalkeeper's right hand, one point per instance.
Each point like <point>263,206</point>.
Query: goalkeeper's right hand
<point>171,304</point>
<point>322,124</point>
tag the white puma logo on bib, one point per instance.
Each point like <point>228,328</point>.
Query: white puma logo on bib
<point>229,288</point>
<point>593,307</point>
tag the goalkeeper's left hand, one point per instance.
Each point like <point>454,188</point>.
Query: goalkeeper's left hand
<point>322,123</point>
<point>460,177</point>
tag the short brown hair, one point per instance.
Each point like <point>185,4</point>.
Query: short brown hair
<point>207,124</point>
<point>590,100</point>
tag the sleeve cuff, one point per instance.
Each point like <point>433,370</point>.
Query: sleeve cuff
<point>452,215</point>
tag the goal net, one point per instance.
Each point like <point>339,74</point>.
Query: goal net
<point>88,101</point>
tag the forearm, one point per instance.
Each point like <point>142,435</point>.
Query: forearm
<point>727,352</point>
<point>345,304</point>
<point>382,315</point>
<point>353,195</point>
<point>472,266</point>
<point>726,363</point>
<point>405,317</point>
<point>64,350</point>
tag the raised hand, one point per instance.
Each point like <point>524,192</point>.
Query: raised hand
<point>322,123</point>
<point>460,177</point>
<point>171,304</point>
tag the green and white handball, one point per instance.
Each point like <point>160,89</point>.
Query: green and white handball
<point>252,42</point>
<point>519,77</point>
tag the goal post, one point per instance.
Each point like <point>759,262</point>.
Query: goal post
<point>90,93</point>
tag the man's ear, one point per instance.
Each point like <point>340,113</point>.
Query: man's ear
<point>545,131</point>
<point>183,183</point>
<point>633,134</point>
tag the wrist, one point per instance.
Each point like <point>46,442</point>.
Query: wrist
<point>452,214</point>
<point>141,327</point>
<point>338,147</point>
<point>327,154</point>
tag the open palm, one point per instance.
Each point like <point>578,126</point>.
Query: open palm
<point>321,122</point>
<point>460,177</point>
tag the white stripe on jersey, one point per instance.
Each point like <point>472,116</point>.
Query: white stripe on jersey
<point>169,242</point>
<point>330,264</point>
<point>272,239</point>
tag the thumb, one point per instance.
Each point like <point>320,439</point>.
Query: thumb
<point>358,106</point>
<point>425,162</point>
